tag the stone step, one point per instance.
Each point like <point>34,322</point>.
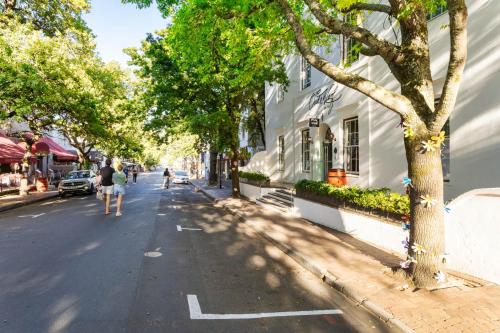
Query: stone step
<point>278,200</point>
<point>273,205</point>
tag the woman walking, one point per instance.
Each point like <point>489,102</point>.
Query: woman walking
<point>134,174</point>
<point>119,180</point>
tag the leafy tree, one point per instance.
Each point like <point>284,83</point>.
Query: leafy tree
<point>311,23</point>
<point>49,16</point>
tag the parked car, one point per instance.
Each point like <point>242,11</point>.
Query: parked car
<point>82,181</point>
<point>180,177</point>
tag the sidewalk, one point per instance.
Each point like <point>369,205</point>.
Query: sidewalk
<point>213,191</point>
<point>362,272</point>
<point>8,202</point>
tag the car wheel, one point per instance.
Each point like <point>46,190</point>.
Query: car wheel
<point>91,191</point>
<point>61,194</point>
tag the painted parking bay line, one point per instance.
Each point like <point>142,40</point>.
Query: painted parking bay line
<point>179,228</point>
<point>196,314</point>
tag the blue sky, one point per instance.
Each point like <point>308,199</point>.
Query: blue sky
<point>119,26</point>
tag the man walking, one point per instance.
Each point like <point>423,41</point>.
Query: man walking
<point>107,184</point>
<point>134,174</point>
<point>166,178</point>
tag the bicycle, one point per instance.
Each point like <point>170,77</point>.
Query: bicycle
<point>166,182</point>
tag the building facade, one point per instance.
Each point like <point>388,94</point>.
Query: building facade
<point>357,134</point>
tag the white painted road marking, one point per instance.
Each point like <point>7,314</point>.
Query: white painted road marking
<point>196,314</point>
<point>179,228</point>
<point>32,216</point>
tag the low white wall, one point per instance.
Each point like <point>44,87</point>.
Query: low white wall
<point>385,235</point>
<point>472,231</point>
<point>257,163</point>
<point>250,191</point>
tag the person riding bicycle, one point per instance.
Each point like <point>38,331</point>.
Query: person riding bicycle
<point>166,178</point>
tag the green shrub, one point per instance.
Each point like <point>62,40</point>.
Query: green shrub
<point>373,198</point>
<point>255,176</point>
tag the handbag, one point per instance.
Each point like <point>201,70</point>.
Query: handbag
<point>99,195</point>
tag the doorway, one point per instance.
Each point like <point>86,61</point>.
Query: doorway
<point>327,153</point>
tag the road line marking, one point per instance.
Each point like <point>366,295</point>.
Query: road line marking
<point>33,216</point>
<point>196,314</point>
<point>179,228</point>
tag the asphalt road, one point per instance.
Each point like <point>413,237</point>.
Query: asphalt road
<point>65,267</point>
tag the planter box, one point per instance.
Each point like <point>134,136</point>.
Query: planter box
<point>380,232</point>
<point>259,183</point>
<point>335,203</point>
<point>253,192</point>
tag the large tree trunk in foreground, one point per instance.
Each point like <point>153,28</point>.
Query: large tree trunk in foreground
<point>427,230</point>
<point>235,178</point>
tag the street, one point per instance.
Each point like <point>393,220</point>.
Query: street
<point>171,263</point>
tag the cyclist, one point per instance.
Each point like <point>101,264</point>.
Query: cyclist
<point>166,178</point>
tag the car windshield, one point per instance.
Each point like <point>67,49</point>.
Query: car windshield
<point>78,175</point>
<point>181,173</point>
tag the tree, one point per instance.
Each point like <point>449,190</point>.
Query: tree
<point>221,67</point>
<point>314,23</point>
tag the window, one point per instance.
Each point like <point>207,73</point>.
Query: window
<point>281,153</point>
<point>351,146</point>
<point>280,94</point>
<point>445,152</point>
<point>306,151</point>
<point>351,47</point>
<point>305,73</point>
<point>441,9</point>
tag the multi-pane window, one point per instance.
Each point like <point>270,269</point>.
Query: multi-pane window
<point>445,152</point>
<point>281,153</point>
<point>280,94</point>
<point>351,145</point>
<point>306,151</point>
<point>441,9</point>
<point>351,47</point>
<point>305,73</point>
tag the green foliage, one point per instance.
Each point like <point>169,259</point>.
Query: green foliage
<point>379,199</point>
<point>255,176</point>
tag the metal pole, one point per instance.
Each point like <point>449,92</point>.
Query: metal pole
<point>220,170</point>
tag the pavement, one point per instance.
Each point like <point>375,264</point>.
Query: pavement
<point>363,273</point>
<point>12,201</point>
<point>173,262</point>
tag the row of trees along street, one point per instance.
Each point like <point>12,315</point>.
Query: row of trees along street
<point>208,65</point>
<point>51,78</point>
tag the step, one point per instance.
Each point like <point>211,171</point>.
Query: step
<point>282,196</point>
<point>284,192</point>
<point>279,201</point>
<point>272,205</point>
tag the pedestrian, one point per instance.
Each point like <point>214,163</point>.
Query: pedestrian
<point>107,184</point>
<point>166,178</point>
<point>119,180</point>
<point>134,174</point>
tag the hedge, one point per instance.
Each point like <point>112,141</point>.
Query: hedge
<point>255,176</point>
<point>381,199</point>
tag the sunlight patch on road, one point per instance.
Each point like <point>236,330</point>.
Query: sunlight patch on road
<point>153,254</point>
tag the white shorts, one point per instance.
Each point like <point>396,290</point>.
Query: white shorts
<point>107,189</point>
<point>119,189</point>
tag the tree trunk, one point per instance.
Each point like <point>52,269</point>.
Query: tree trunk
<point>212,172</point>
<point>427,222</point>
<point>235,179</point>
<point>83,158</point>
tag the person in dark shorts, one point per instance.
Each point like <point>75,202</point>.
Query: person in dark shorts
<point>166,178</point>
<point>107,184</point>
<point>134,174</point>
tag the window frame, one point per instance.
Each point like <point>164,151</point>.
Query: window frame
<point>281,153</point>
<point>305,74</point>
<point>306,150</point>
<point>347,147</point>
<point>348,43</point>
<point>441,10</point>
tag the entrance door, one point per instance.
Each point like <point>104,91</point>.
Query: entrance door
<point>327,157</point>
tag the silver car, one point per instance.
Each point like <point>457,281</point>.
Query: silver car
<point>82,181</point>
<point>180,177</point>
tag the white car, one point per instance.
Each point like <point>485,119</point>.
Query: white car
<point>180,177</point>
<point>82,181</point>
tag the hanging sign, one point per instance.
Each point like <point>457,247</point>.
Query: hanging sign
<point>313,122</point>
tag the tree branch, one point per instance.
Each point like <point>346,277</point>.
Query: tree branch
<point>458,57</point>
<point>388,51</point>
<point>373,7</point>
<point>393,101</point>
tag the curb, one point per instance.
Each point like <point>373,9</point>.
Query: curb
<point>325,275</point>
<point>27,203</point>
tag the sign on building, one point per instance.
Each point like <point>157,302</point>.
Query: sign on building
<point>313,122</point>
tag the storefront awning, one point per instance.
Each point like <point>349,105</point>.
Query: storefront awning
<point>10,152</point>
<point>59,152</point>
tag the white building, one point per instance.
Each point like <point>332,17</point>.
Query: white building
<point>361,136</point>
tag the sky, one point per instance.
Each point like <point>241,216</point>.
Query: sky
<point>118,26</point>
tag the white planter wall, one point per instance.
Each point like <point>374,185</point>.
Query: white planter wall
<point>253,192</point>
<point>363,227</point>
